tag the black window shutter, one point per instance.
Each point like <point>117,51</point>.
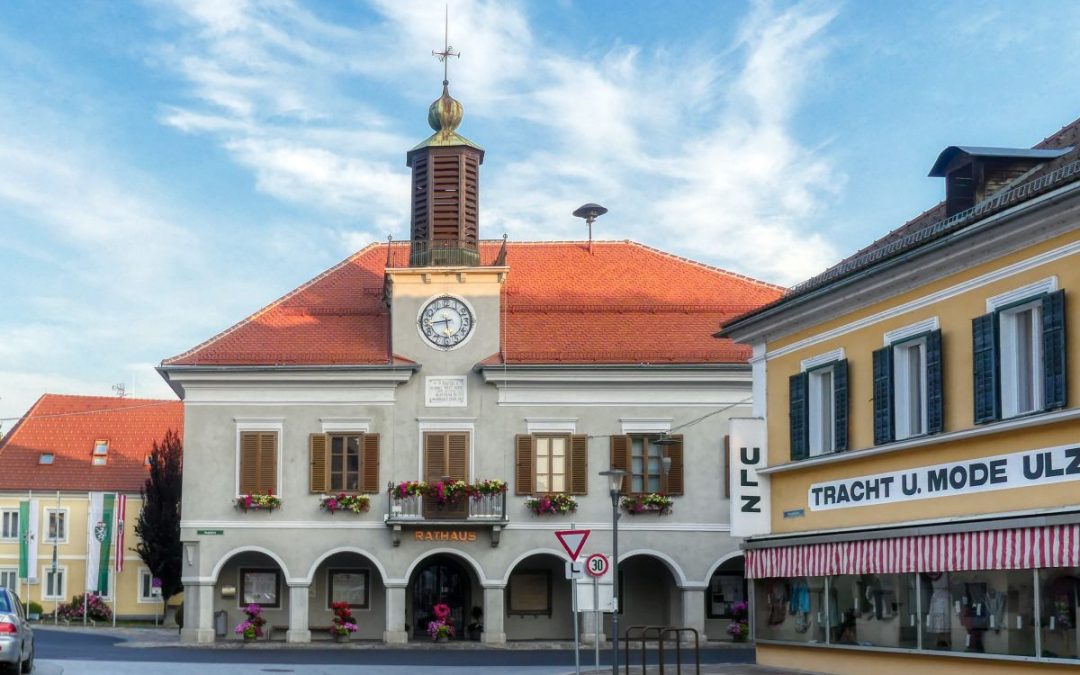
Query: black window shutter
<point>935,399</point>
<point>799,416</point>
<point>883,408</point>
<point>984,333</point>
<point>840,405</point>
<point>1053,335</point>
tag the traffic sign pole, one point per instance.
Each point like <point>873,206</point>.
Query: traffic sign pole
<point>573,588</point>
<point>597,616</point>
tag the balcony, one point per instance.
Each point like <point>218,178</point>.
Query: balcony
<point>420,508</point>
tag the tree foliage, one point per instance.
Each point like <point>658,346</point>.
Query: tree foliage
<point>159,520</point>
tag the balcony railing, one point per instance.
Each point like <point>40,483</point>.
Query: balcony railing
<point>417,510</point>
<point>420,508</point>
<point>449,253</point>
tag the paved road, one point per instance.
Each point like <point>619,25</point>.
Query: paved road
<point>80,653</point>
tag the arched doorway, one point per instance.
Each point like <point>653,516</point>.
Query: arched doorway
<point>441,578</point>
<point>727,586</point>
<point>246,578</point>
<point>538,600</point>
<point>648,594</point>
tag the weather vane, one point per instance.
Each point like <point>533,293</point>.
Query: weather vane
<point>448,51</point>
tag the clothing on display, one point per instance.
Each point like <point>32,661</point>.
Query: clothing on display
<point>938,614</point>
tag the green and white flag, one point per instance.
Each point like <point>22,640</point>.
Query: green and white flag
<point>28,544</point>
<point>99,536</point>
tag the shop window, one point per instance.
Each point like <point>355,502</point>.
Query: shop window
<point>819,409</point>
<point>725,589</point>
<point>1060,595</point>
<point>1019,356</point>
<point>790,609</point>
<point>873,610</point>
<point>529,593</point>
<point>348,585</point>
<point>986,611</point>
<point>260,586</point>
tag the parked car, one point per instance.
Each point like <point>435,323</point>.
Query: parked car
<point>16,634</point>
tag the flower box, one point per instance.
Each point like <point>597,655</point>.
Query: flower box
<point>345,502</point>
<point>557,504</point>
<point>257,502</point>
<point>651,503</point>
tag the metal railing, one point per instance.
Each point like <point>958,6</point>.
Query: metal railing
<point>642,635</point>
<point>451,253</point>
<point>475,507</point>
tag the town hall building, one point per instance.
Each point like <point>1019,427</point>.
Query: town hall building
<point>413,425</point>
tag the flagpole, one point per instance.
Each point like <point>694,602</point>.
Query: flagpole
<point>113,577</point>
<point>56,606</point>
<point>86,565</point>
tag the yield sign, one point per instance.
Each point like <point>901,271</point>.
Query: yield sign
<point>572,541</point>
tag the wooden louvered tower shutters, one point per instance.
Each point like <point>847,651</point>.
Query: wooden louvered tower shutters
<point>445,205</point>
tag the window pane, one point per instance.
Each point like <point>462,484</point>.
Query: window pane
<point>558,483</point>
<point>558,447</point>
<point>350,587</point>
<point>260,587</point>
<point>1060,592</point>
<point>988,611</point>
<point>637,484</point>
<point>352,465</point>
<point>1025,341</point>
<point>916,367</point>
<point>873,610</point>
<point>790,609</point>
<point>145,581</point>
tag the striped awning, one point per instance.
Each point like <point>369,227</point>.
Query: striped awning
<point>1022,548</point>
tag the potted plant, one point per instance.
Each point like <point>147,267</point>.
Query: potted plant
<point>258,502</point>
<point>251,627</point>
<point>739,628</point>
<point>560,504</point>
<point>442,628</point>
<point>476,628</point>
<point>345,502</point>
<point>655,502</point>
<point>344,624</point>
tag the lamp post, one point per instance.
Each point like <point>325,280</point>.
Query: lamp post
<point>615,479</point>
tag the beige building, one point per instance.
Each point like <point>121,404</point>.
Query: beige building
<point>61,451</point>
<point>914,468</point>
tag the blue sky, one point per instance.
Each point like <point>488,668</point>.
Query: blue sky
<point>168,167</point>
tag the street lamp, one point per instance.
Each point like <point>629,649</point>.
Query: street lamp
<point>615,479</point>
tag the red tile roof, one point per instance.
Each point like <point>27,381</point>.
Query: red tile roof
<point>622,303</point>
<point>68,427</point>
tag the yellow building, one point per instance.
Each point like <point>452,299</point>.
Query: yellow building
<point>910,482</point>
<point>63,451</point>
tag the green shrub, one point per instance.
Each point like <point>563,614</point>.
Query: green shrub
<point>34,608</point>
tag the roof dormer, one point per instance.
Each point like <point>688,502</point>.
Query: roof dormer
<point>972,173</point>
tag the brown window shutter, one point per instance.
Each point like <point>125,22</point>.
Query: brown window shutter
<point>369,480</point>
<point>434,457</point>
<point>458,456</point>
<point>318,451</point>
<point>267,481</point>
<point>675,473</point>
<point>579,464</point>
<point>249,462</point>
<point>620,458</point>
<point>524,477</point>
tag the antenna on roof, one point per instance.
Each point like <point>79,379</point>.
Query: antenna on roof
<point>590,212</point>
<point>120,389</point>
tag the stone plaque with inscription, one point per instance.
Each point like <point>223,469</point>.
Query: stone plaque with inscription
<point>445,391</point>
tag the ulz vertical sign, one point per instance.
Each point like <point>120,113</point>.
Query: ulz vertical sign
<point>749,491</point>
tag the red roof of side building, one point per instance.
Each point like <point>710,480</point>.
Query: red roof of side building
<point>621,303</point>
<point>69,426</point>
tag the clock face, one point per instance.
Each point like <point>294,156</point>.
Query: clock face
<point>446,322</point>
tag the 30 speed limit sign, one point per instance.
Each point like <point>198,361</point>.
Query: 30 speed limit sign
<point>596,565</point>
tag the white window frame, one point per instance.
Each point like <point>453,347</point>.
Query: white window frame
<point>1010,363</point>
<point>904,417</point>
<point>265,424</point>
<point>442,425</point>
<point>45,572</point>
<point>144,573</point>
<point>821,423</point>
<point>3,514</point>
<point>14,574</point>
<point>45,538</point>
